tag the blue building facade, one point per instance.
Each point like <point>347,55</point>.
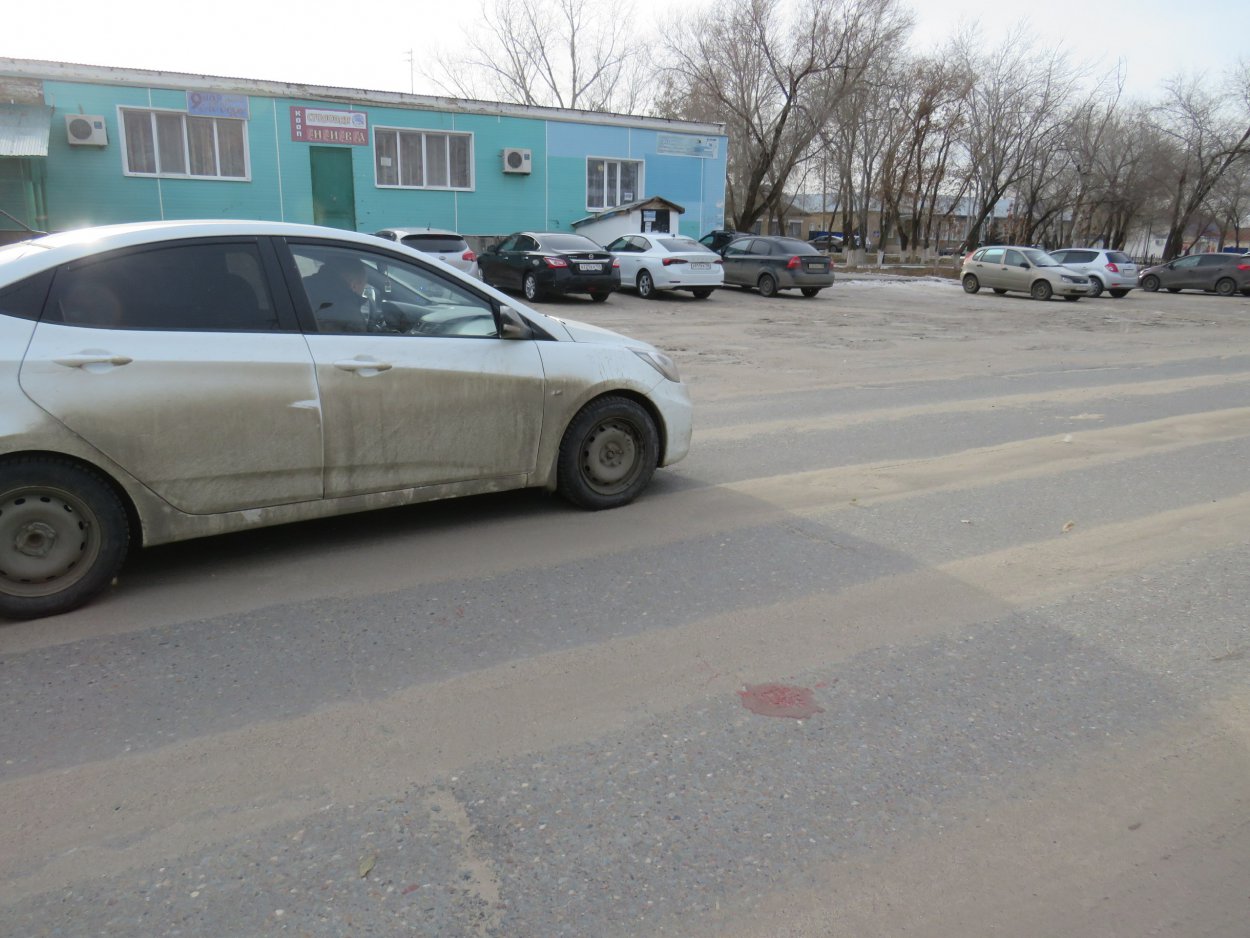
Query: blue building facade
<point>132,145</point>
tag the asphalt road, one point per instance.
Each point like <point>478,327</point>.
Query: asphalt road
<point>992,551</point>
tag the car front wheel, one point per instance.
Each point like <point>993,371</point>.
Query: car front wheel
<point>529,286</point>
<point>809,291</point>
<point>1041,290</point>
<point>702,293</point>
<point>63,536</point>
<point>1150,284</point>
<point>971,284</point>
<point>1118,294</point>
<point>608,454</point>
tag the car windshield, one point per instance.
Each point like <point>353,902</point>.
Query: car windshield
<point>1040,258</point>
<point>568,242</point>
<point>681,244</point>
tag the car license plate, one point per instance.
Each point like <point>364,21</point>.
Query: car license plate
<point>591,268</point>
<point>819,267</point>
<point>700,266</point>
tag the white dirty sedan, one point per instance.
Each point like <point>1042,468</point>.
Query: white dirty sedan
<point>651,262</point>
<point>171,380</point>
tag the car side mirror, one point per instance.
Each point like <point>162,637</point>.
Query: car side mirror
<point>512,325</point>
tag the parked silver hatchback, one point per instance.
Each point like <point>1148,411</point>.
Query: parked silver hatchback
<point>1113,271</point>
<point>1005,268</point>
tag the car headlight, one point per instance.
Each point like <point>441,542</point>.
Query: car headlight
<point>1067,279</point>
<point>659,361</point>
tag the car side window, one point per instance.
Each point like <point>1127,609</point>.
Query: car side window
<point>200,287</point>
<point>1212,260</point>
<point>1185,263</point>
<point>759,247</point>
<point>640,244</point>
<point>526,243</point>
<point>737,248</point>
<point>509,244</point>
<point>355,291</point>
<point>991,256</point>
<point>619,245</point>
<point>24,299</point>
<point>1014,259</point>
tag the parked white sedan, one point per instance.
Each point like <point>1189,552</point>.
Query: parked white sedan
<point>170,380</point>
<point>652,262</point>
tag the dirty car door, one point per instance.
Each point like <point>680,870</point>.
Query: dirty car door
<point>430,394</point>
<point>181,364</point>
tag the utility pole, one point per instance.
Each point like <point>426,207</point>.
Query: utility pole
<point>411,68</point>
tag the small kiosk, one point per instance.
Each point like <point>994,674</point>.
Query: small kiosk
<point>655,214</point>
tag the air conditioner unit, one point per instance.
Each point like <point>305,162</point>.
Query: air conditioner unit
<point>86,130</point>
<point>516,160</point>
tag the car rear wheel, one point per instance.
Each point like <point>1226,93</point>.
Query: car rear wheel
<point>63,536</point>
<point>1226,286</point>
<point>608,454</point>
<point>971,284</point>
<point>1150,284</point>
<point>600,297</point>
<point>530,287</point>
<point>646,286</point>
<point>1071,299</point>
<point>702,293</point>
<point>1174,289</point>
<point>767,285</point>
<point>1042,290</point>
<point>1118,294</point>
<point>1095,286</point>
<point>809,291</point>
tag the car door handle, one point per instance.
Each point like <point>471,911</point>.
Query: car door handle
<point>362,364</point>
<point>82,359</point>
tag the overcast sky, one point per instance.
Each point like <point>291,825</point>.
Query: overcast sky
<point>366,45</point>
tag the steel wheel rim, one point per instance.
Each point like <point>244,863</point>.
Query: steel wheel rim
<point>49,540</point>
<point>611,455</point>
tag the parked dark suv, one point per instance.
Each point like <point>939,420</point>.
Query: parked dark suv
<point>1224,273</point>
<point>715,240</point>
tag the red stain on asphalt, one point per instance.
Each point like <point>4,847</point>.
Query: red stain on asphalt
<point>413,888</point>
<point>779,700</point>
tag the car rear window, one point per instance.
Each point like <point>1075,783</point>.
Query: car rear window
<point>680,244</point>
<point>1119,257</point>
<point>436,243</point>
<point>792,246</point>
<point>563,242</point>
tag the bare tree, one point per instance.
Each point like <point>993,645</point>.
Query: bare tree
<point>562,53</point>
<point>773,73</point>
<point>1209,133</point>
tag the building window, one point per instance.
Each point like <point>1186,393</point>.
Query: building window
<point>610,183</point>
<point>422,159</point>
<point>172,143</point>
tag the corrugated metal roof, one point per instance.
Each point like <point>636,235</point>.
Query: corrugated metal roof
<point>24,129</point>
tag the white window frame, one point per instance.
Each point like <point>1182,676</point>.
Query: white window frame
<point>152,113</point>
<point>424,133</point>
<point>619,162</point>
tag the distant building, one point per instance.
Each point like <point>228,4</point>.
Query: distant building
<point>88,145</point>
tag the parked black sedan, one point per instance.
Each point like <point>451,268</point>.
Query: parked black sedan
<point>541,262</point>
<point>769,264</point>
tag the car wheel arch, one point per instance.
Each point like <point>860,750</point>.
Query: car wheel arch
<point>632,394</point>
<point>133,517</point>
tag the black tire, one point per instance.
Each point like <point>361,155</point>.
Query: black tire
<point>1174,289</point>
<point>63,536</point>
<point>971,283</point>
<point>1041,290</point>
<point>1226,286</point>
<point>1071,299</point>
<point>1150,284</point>
<point>608,454</point>
<point>702,293</point>
<point>767,285</point>
<point>600,297</point>
<point>999,290</point>
<point>1118,294</point>
<point>809,291</point>
<point>1095,287</point>
<point>530,287</point>
<point>646,285</point>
